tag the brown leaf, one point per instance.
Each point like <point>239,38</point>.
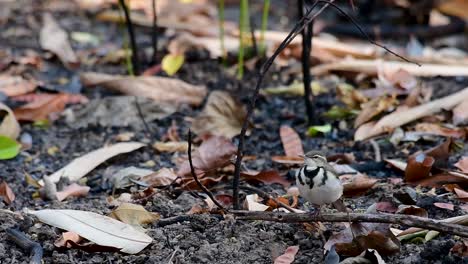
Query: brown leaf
<point>462,164</point>
<point>441,152</point>
<point>355,185</point>
<point>34,97</point>
<point>288,160</point>
<point>63,241</point>
<point>222,116</point>
<point>190,184</point>
<point>265,177</point>
<point>373,108</point>
<point>292,143</point>
<point>6,193</point>
<point>133,214</point>
<point>460,113</point>
<point>160,89</point>
<point>74,190</point>
<point>461,194</point>
<point>9,126</point>
<point>401,78</point>
<point>364,236</point>
<point>386,207</point>
<point>439,130</point>
<point>460,249</point>
<point>288,256</point>
<point>419,167</point>
<point>402,117</point>
<point>442,179</point>
<point>53,38</point>
<point>16,85</point>
<point>171,146</point>
<point>447,206</point>
<point>412,210</point>
<point>162,177</point>
<point>212,154</point>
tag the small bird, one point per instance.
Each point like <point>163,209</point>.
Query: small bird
<point>317,181</point>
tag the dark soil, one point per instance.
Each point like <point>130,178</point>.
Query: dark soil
<point>207,239</point>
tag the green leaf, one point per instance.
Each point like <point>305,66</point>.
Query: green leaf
<point>172,63</point>
<point>337,112</point>
<point>314,130</point>
<point>9,148</point>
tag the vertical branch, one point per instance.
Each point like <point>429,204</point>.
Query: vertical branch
<point>266,8</point>
<point>154,34</point>
<point>131,33</point>
<point>254,39</point>
<point>221,30</point>
<point>306,33</point>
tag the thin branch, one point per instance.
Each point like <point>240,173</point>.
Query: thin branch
<point>254,39</point>
<point>184,218</point>
<point>34,249</point>
<point>154,34</point>
<point>194,175</point>
<point>140,114</point>
<point>131,33</point>
<point>407,220</point>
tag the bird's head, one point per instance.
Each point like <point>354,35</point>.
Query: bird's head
<point>315,159</point>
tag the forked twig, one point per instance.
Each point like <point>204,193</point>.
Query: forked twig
<point>19,238</point>
<point>194,175</point>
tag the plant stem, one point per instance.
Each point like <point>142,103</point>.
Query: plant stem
<point>221,32</point>
<point>306,76</point>
<point>243,20</point>
<point>266,8</point>
<point>154,34</point>
<point>131,33</point>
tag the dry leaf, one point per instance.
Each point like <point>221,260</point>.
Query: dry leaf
<point>53,38</point>
<point>288,256</point>
<point>441,152</point>
<point>74,190</point>
<point>412,210</point>
<point>461,194</point>
<point>460,113</point>
<point>79,167</point>
<point>171,146</point>
<point>402,117</point>
<point>265,177</point>
<point>288,160</point>
<point>162,177</point>
<point>356,184</point>
<point>63,241</point>
<point>97,228</point>
<point>447,206</point>
<point>9,127</point>
<point>34,97</point>
<point>16,85</point>
<point>213,153</point>
<point>462,164</point>
<point>6,193</point>
<point>435,129</point>
<point>160,89</point>
<point>292,143</point>
<point>375,107</point>
<point>133,214</point>
<point>222,116</point>
<point>419,167</point>
<point>460,249</point>
<point>252,203</point>
<point>455,8</point>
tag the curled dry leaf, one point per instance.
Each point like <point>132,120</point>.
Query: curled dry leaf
<point>435,129</point>
<point>222,116</point>
<point>292,143</point>
<point>386,207</point>
<point>441,152</point>
<point>448,206</point>
<point>400,78</point>
<point>171,146</point>
<point>54,39</point>
<point>160,89</point>
<point>354,185</point>
<point>288,256</point>
<point>133,214</point>
<point>162,177</point>
<point>462,164</point>
<point>74,190</point>
<point>102,230</point>
<point>375,107</point>
<point>213,153</point>
<point>412,210</point>
<point>79,167</point>
<point>9,126</point>
<point>265,177</point>
<point>419,167</point>
<point>6,193</point>
<point>63,241</point>
<point>252,203</point>
<point>402,117</point>
<point>461,194</point>
<point>16,85</point>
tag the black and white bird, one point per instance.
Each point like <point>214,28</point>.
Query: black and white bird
<point>317,181</point>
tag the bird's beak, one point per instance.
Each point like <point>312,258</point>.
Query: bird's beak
<point>302,156</point>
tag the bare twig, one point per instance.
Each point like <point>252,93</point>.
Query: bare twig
<point>408,220</point>
<point>254,40</point>
<point>266,196</point>
<point>20,239</point>
<point>183,218</point>
<point>194,175</point>
<point>140,114</point>
<point>131,33</point>
<point>154,34</point>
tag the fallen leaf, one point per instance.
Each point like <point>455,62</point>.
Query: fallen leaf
<point>455,8</point>
<point>16,85</point>
<point>462,164</point>
<point>171,146</point>
<point>350,96</point>
<point>265,177</point>
<point>81,166</point>
<point>288,256</point>
<point>357,184</point>
<point>162,177</point>
<point>314,130</point>
<point>435,129</point>
<point>74,190</point>
<point>287,160</point>
<point>9,148</point>
<point>85,38</point>
<point>419,167</point>
<point>402,117</point>
<point>375,107</point>
<point>222,116</point>
<point>252,203</point>
<point>443,179</point>
<point>34,97</point>
<point>128,176</point>
<point>160,89</point>
<point>460,249</point>
<point>337,112</point>
<point>400,78</point>
<point>172,63</point>
<point>386,207</point>
<point>461,194</point>
<point>292,143</point>
<point>53,38</point>
<point>447,206</point>
<point>441,152</point>
<point>9,127</point>
<point>97,228</point>
<point>63,241</point>
<point>412,210</point>
<point>213,153</point>
<point>460,113</point>
<point>6,193</point>
<point>134,214</point>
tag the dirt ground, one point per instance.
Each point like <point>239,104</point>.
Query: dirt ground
<point>207,239</point>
